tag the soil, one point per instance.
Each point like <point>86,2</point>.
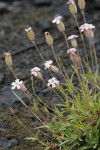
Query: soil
<point>14,17</point>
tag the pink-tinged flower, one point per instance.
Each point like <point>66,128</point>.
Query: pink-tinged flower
<point>19,85</point>
<point>57,19</point>
<point>71,2</point>
<point>35,71</point>
<point>53,82</point>
<point>48,64</point>
<point>86,26</point>
<point>72,37</point>
<point>71,51</point>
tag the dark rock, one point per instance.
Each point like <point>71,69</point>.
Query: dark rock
<point>7,143</point>
<point>3,7</point>
<point>1,78</point>
<point>64,11</point>
<point>44,25</point>
<point>7,98</point>
<point>3,127</point>
<point>97,4</point>
<point>43,2</point>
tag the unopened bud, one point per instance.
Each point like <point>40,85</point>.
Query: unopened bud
<point>30,34</point>
<point>23,87</point>
<point>89,34</point>
<point>54,68</point>
<point>49,39</point>
<point>81,4</point>
<point>39,76</point>
<point>72,7</point>
<point>74,42</point>
<point>61,27</point>
<point>75,59</point>
<point>8,59</point>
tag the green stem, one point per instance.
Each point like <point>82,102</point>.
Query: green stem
<point>81,39</point>
<point>13,72</point>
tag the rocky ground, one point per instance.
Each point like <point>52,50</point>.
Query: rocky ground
<point>14,17</point>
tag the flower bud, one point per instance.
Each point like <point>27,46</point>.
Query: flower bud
<point>8,59</point>
<point>75,59</point>
<point>39,75</point>
<point>72,7</point>
<point>87,30</point>
<point>61,27</point>
<point>89,34</point>
<point>54,68</point>
<point>74,43</point>
<point>30,34</point>
<point>23,87</point>
<point>49,39</point>
<point>81,4</point>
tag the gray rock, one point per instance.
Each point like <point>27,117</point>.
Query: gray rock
<point>43,2</point>
<point>7,143</point>
<point>44,25</point>
<point>7,98</point>
<point>3,6</point>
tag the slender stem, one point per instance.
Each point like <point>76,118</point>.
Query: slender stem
<point>39,52</point>
<point>28,108</point>
<point>39,97</point>
<point>61,72</point>
<point>19,120</point>
<point>83,16</point>
<point>81,39</point>
<point>53,91</point>
<point>65,36</point>
<point>91,55</point>
<point>94,51</point>
<point>56,57</point>
<point>13,72</point>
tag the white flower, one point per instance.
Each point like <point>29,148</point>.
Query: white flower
<point>57,19</point>
<point>53,82</point>
<point>71,2</point>
<point>72,37</point>
<point>48,63</point>
<point>17,84</point>
<point>7,53</point>
<point>35,71</point>
<point>28,29</point>
<point>86,26</point>
<point>71,50</point>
